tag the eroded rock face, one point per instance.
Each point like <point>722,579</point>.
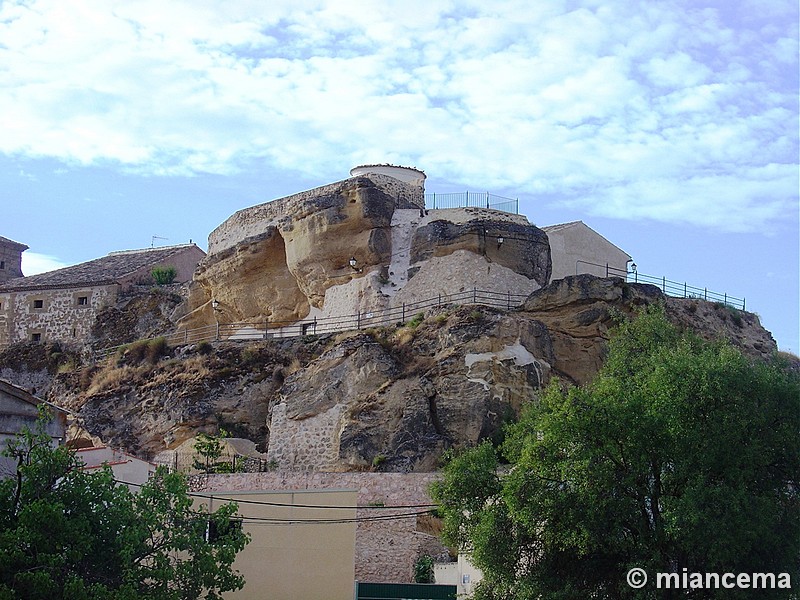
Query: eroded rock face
<point>291,259</point>
<point>397,404</point>
<point>524,248</point>
<point>250,282</point>
<point>385,399</point>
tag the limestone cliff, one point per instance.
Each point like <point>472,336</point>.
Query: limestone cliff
<point>358,246</point>
<point>382,399</point>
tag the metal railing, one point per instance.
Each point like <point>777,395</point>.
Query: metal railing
<point>472,199</point>
<point>266,329</point>
<point>676,289</point>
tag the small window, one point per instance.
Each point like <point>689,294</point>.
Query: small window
<point>36,337</point>
<point>2,264</point>
<point>214,532</point>
<point>38,304</point>
<point>83,300</point>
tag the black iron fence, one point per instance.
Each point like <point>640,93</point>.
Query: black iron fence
<point>678,289</point>
<point>472,199</point>
<point>186,462</point>
<point>266,329</point>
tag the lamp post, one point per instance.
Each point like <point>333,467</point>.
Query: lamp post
<point>215,308</point>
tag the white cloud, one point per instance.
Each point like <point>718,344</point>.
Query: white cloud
<point>33,263</point>
<point>649,103</point>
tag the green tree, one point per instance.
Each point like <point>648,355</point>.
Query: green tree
<point>164,275</point>
<point>74,534</point>
<point>209,450</point>
<point>681,455</point>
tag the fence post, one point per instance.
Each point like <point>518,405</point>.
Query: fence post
<point>743,304</point>
<point>439,301</point>
<point>726,298</point>
<point>474,295</point>
<point>358,320</point>
<point>403,318</point>
<point>509,300</point>
<point>487,199</point>
<point>606,270</point>
<point>684,290</point>
<point>516,210</point>
<point>705,293</point>
<point>186,336</point>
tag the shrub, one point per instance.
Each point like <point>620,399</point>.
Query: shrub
<point>423,570</point>
<point>416,320</point>
<point>163,275</point>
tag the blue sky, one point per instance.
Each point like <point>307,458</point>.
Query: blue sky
<point>671,127</point>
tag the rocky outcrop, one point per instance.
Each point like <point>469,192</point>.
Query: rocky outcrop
<point>292,256</point>
<point>388,399</point>
<point>292,259</point>
<point>520,247</point>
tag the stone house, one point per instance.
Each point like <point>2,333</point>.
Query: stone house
<point>576,248</point>
<point>62,305</point>
<point>10,259</point>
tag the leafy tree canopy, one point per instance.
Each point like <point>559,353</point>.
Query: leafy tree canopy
<point>681,455</point>
<point>74,534</point>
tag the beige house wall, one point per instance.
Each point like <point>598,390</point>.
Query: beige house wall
<point>385,550</point>
<point>575,248</point>
<point>63,315</point>
<point>126,468</point>
<point>184,260</point>
<point>293,552</point>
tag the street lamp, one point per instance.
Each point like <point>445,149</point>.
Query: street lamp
<point>215,308</point>
<point>353,262</point>
<point>500,240</point>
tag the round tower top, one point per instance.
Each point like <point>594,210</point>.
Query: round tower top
<point>409,175</point>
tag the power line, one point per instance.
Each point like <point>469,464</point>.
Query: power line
<point>289,505</point>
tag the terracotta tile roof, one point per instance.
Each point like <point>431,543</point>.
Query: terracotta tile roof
<point>99,271</point>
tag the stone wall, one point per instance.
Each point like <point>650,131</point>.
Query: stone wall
<point>254,221</point>
<point>10,260</point>
<point>56,314</point>
<point>386,550</point>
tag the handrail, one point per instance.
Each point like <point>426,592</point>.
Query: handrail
<point>468,199</point>
<point>265,329</point>
<point>671,288</point>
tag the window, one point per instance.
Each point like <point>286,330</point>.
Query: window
<point>36,337</point>
<point>83,300</point>
<point>2,264</point>
<point>214,532</point>
<point>38,304</point>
